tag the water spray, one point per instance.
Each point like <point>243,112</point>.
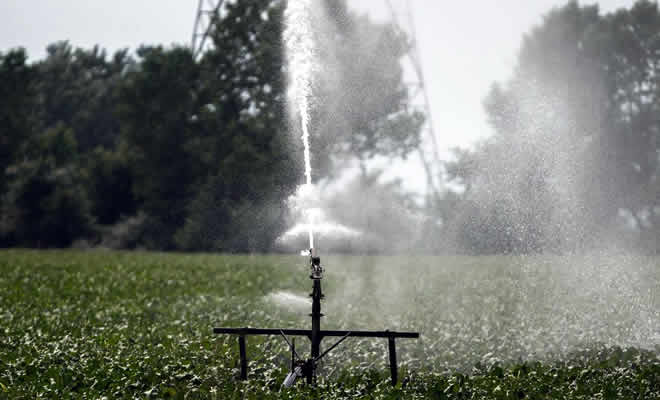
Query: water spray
<point>300,52</point>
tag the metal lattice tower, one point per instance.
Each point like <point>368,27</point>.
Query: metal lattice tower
<point>403,20</point>
<point>207,11</point>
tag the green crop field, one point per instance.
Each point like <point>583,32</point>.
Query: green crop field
<point>139,325</point>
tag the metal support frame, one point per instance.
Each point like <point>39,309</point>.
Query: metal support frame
<point>391,345</point>
<point>315,335</point>
<point>207,13</point>
<point>308,333</point>
<point>243,355</point>
<point>403,19</point>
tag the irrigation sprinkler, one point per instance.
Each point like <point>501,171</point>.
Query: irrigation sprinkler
<point>307,368</point>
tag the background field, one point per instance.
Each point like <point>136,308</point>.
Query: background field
<point>135,325</point>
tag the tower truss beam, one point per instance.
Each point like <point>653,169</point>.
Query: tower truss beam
<point>207,12</point>
<point>403,20</point>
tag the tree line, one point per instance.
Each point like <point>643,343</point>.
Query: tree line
<point>158,149</point>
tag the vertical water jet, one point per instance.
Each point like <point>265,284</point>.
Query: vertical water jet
<point>300,55</point>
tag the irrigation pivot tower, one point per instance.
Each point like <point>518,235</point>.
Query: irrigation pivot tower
<point>207,12</point>
<point>404,21</point>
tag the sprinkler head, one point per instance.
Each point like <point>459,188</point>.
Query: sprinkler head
<point>315,264</point>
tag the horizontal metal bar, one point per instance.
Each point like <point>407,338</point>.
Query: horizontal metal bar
<point>375,334</point>
<point>308,333</point>
<point>259,331</point>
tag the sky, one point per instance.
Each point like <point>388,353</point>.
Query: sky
<point>465,46</point>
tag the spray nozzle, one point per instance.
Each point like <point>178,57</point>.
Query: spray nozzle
<point>315,264</point>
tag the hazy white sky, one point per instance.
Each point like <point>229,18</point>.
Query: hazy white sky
<point>465,45</point>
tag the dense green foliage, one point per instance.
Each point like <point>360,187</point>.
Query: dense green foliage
<point>161,150</point>
<point>126,325</point>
